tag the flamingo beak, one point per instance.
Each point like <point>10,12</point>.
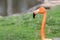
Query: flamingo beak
<point>34,15</point>
<point>35,12</point>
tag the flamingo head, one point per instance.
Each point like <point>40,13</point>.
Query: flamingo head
<point>40,10</point>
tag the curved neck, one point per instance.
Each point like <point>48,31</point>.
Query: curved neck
<point>43,27</point>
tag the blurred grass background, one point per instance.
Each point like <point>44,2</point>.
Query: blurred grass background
<point>24,27</point>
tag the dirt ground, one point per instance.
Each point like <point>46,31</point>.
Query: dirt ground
<point>51,3</point>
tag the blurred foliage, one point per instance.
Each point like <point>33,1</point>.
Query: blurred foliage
<point>24,27</point>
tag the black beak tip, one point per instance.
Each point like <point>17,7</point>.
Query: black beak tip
<point>33,15</point>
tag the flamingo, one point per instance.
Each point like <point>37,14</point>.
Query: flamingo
<point>42,10</point>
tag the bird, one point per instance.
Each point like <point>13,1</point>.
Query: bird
<point>42,10</point>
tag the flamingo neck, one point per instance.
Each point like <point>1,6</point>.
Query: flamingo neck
<point>43,27</point>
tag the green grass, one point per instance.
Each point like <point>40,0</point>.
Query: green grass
<point>24,27</point>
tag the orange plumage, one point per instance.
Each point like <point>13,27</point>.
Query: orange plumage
<point>42,10</point>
